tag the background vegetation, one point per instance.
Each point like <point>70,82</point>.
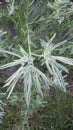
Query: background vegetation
<point>36,47</point>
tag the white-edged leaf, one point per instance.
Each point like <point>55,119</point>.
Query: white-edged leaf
<point>9,52</point>
<point>65,60</point>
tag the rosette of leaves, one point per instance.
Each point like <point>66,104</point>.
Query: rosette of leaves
<point>26,71</point>
<point>55,63</point>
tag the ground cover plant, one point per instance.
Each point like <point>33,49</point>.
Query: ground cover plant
<point>36,50</point>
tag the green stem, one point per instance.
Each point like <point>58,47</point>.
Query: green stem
<point>33,54</point>
<point>28,31</point>
<point>29,40</point>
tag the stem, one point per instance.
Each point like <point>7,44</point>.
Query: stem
<point>28,31</point>
<point>29,40</point>
<point>33,54</point>
<point>46,49</point>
